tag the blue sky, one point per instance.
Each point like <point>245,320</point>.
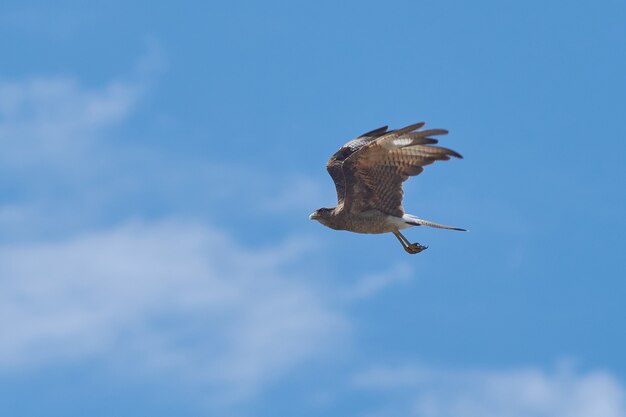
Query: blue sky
<point>159,163</point>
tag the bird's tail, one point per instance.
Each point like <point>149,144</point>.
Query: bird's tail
<point>414,221</point>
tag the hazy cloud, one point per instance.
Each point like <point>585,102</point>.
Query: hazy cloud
<point>46,121</point>
<point>374,283</point>
<point>526,392</point>
<point>50,122</point>
<point>174,296</point>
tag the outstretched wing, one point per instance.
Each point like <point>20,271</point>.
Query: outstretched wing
<point>374,173</point>
<point>335,163</point>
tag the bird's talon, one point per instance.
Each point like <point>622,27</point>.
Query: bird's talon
<point>414,248</point>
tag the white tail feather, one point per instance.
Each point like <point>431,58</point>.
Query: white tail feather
<point>414,221</point>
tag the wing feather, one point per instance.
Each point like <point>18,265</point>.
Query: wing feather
<point>334,166</point>
<point>373,174</point>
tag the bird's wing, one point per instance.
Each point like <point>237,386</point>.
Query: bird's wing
<point>335,163</point>
<point>374,173</point>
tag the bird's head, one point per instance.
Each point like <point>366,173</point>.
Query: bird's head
<point>321,215</point>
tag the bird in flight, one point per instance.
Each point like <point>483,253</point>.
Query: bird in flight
<point>368,173</point>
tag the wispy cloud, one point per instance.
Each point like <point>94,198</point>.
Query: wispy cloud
<point>526,392</point>
<point>372,284</point>
<point>49,123</point>
<point>178,296</point>
<point>61,156</point>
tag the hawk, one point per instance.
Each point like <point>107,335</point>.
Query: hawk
<point>368,173</point>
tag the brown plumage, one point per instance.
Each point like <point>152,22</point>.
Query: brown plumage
<point>368,173</point>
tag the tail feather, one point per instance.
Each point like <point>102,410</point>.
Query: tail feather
<point>414,221</point>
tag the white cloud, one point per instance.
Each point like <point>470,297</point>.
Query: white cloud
<point>54,120</point>
<point>56,123</point>
<point>526,392</point>
<point>372,284</point>
<point>171,297</point>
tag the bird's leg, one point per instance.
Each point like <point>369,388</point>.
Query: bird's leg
<point>404,242</point>
<point>411,248</point>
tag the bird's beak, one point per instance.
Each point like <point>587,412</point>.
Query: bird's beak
<point>312,216</point>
